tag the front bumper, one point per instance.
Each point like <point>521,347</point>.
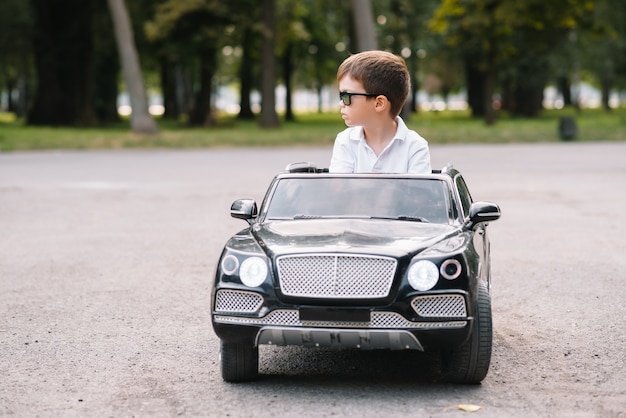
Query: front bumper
<point>427,321</point>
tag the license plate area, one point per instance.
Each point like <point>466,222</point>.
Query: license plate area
<point>334,314</point>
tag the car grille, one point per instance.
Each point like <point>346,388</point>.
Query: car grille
<point>336,276</point>
<point>440,306</point>
<point>380,320</point>
<point>236,301</point>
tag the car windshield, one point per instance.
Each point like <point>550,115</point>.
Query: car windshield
<point>413,199</point>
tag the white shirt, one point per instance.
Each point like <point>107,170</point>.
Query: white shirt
<point>406,153</point>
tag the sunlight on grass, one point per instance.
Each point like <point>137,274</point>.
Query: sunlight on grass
<point>6,118</point>
<point>312,129</point>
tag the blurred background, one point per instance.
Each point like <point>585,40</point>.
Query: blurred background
<point>165,64</point>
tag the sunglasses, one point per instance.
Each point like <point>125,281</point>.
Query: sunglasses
<point>346,96</point>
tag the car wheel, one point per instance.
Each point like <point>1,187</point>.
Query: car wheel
<point>469,362</point>
<point>239,362</point>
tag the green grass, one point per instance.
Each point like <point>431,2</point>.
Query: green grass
<point>310,130</point>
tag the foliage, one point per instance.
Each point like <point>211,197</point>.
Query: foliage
<point>530,43</point>
<point>403,29</point>
<point>315,43</point>
<point>605,49</point>
<point>509,28</point>
<point>15,50</point>
<point>189,47</point>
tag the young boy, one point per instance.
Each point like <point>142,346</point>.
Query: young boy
<point>373,86</point>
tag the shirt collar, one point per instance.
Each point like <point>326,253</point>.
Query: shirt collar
<point>356,134</point>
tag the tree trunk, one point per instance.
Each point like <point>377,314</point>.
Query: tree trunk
<point>201,113</point>
<point>23,94</point>
<point>507,99</point>
<point>363,18</point>
<point>246,76</point>
<point>490,87</point>
<point>565,89</point>
<point>107,66</point>
<point>184,88</point>
<point>475,81</point>
<point>607,83</point>
<point>140,120</point>
<point>415,84</point>
<point>171,108</point>
<point>287,72</point>
<point>318,90</point>
<point>64,63</point>
<point>269,118</point>
<point>9,85</point>
<point>529,86</point>
<point>528,99</point>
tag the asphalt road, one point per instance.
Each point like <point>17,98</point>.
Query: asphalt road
<point>106,262</point>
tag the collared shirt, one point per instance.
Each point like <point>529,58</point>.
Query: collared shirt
<point>406,153</point>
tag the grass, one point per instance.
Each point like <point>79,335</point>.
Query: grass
<point>310,129</point>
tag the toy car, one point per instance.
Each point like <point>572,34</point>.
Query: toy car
<point>361,261</point>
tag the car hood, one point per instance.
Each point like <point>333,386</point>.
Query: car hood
<point>393,238</point>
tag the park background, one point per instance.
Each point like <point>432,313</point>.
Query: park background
<point>200,73</point>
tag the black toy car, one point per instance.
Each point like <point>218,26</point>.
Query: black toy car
<point>362,261</point>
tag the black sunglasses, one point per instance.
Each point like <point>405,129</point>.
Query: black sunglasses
<point>346,96</point>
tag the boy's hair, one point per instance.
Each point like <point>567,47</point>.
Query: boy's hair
<point>380,72</point>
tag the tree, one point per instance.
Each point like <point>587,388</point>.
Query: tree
<point>363,19</point>
<point>64,63</point>
<point>308,49</point>
<point>248,30</point>
<point>246,73</point>
<point>141,120</point>
<point>16,29</point>
<point>106,66</point>
<point>603,52</point>
<point>269,118</point>
<point>404,31</point>
<point>504,43</point>
<point>189,34</point>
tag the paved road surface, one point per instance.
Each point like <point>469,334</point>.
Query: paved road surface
<point>106,261</point>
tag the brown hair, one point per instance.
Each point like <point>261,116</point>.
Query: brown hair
<point>380,72</point>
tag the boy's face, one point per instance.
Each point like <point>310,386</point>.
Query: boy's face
<point>361,107</point>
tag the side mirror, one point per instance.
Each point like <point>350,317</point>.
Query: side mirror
<point>244,209</point>
<point>480,212</point>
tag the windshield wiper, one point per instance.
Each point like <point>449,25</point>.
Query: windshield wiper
<point>402,218</point>
<point>413,218</point>
<point>392,218</point>
<point>302,216</point>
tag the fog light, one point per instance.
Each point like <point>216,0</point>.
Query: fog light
<point>230,264</point>
<point>450,269</point>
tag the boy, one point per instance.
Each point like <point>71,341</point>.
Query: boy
<point>373,86</point>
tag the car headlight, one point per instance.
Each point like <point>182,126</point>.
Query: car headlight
<point>423,275</point>
<point>253,271</point>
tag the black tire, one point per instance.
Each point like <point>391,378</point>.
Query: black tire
<point>469,362</point>
<point>239,362</point>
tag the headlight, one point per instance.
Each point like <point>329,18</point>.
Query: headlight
<point>253,271</point>
<point>423,275</point>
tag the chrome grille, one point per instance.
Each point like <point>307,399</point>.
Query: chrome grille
<point>237,301</point>
<point>380,320</point>
<point>440,306</point>
<point>336,276</point>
